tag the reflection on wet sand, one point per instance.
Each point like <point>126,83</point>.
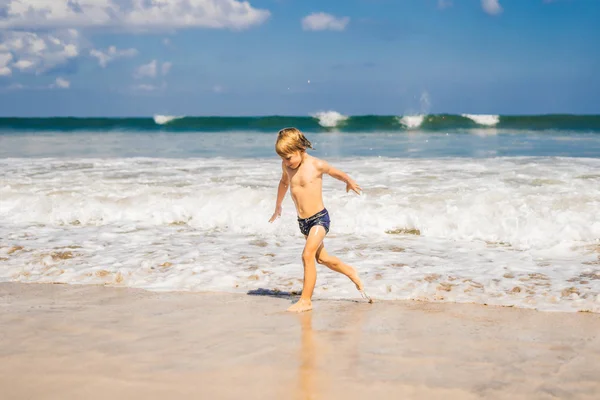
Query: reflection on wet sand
<point>336,350</point>
<point>120,343</point>
<point>306,371</point>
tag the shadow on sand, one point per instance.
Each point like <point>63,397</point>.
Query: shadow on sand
<point>294,294</point>
<point>274,293</point>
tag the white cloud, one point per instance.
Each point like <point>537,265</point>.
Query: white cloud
<point>146,70</point>
<point>166,67</point>
<point>5,60</point>
<point>11,87</point>
<point>40,52</point>
<point>33,34</point>
<point>23,65</point>
<point>151,70</point>
<point>145,87</point>
<point>61,83</point>
<point>491,7</point>
<point>322,21</point>
<point>111,54</point>
<point>131,14</point>
<point>443,4</point>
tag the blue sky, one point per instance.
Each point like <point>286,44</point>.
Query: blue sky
<point>298,57</point>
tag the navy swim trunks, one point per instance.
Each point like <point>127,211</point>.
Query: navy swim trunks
<point>321,218</point>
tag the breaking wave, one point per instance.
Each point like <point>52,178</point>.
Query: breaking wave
<point>321,121</point>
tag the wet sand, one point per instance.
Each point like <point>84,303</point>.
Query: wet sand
<point>93,342</point>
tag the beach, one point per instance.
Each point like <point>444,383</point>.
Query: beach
<point>174,172</point>
<point>96,342</point>
<point>137,260</point>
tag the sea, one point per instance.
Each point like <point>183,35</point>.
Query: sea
<point>487,209</point>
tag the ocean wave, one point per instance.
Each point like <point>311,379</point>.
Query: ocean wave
<point>503,206</point>
<point>411,121</point>
<point>521,232</point>
<point>319,122</point>
<point>330,119</point>
<point>489,120</point>
<point>165,119</point>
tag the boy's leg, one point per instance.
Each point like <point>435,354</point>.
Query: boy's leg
<point>313,241</point>
<point>337,265</point>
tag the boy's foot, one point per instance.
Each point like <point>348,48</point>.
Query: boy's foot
<point>366,296</point>
<point>300,306</point>
<point>359,285</point>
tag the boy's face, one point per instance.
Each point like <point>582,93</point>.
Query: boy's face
<point>292,160</point>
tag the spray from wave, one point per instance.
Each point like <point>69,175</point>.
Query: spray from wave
<point>411,121</point>
<point>329,119</point>
<point>415,120</point>
<point>165,119</point>
<point>488,120</point>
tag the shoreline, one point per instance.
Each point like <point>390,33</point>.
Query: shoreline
<point>97,342</point>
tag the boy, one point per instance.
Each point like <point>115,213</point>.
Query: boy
<point>303,174</point>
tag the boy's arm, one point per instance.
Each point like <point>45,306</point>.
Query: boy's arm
<point>325,168</point>
<point>281,191</point>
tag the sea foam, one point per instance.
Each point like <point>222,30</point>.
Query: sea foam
<point>165,119</point>
<point>509,231</point>
<point>411,121</point>
<point>329,119</point>
<point>488,120</point>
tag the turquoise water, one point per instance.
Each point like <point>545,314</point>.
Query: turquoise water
<point>481,143</point>
<point>321,122</point>
<point>333,134</point>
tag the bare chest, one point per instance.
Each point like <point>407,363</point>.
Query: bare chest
<point>304,176</point>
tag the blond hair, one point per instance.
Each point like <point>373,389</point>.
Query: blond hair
<point>290,140</point>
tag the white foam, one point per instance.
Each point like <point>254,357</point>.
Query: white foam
<point>412,121</point>
<point>329,119</point>
<point>165,119</point>
<point>488,120</point>
<point>507,231</point>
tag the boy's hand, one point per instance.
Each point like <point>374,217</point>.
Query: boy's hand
<point>351,185</point>
<point>276,214</point>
